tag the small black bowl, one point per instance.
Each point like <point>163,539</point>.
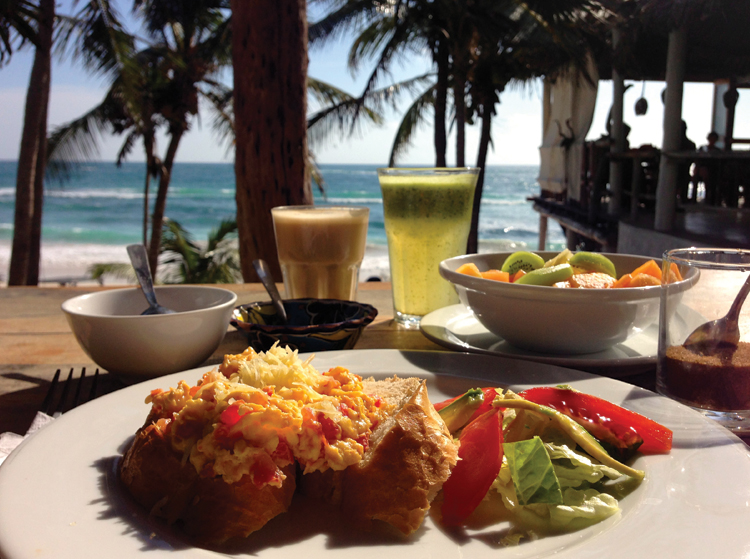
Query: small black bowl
<point>314,324</point>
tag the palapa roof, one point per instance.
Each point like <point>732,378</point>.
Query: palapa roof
<point>718,38</point>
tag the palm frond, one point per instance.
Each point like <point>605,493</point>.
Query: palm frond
<point>79,140</point>
<point>415,115</point>
<point>347,17</point>
<point>17,27</point>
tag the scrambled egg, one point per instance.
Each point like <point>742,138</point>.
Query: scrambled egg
<point>260,412</point>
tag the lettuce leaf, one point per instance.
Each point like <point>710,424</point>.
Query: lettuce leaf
<point>532,472</point>
<point>574,469</point>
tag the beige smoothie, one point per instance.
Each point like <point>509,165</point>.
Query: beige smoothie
<point>320,249</point>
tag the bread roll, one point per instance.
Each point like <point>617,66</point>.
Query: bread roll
<point>209,510</point>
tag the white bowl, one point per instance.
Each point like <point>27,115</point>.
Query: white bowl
<point>553,320</point>
<point>111,330</point>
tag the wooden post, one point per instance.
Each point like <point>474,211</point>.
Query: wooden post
<point>666,191</point>
<point>617,133</point>
<point>542,232</point>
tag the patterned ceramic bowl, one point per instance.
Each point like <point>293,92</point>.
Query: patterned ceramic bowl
<point>314,324</point>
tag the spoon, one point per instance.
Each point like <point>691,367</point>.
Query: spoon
<point>264,273</point>
<point>722,332</point>
<point>139,260</point>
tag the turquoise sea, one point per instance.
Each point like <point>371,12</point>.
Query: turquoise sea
<point>102,204</point>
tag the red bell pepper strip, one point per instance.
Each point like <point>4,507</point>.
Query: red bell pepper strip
<point>480,458</point>
<point>604,419</point>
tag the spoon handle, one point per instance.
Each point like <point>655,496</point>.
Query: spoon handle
<point>139,259</point>
<point>734,310</point>
<point>264,273</point>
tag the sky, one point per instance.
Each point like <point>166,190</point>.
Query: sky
<point>517,126</point>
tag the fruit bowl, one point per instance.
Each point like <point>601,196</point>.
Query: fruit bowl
<point>554,320</point>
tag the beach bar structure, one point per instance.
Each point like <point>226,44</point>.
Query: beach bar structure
<point>611,198</point>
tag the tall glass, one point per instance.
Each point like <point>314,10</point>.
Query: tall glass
<point>320,249</point>
<point>713,379</point>
<point>427,219</point>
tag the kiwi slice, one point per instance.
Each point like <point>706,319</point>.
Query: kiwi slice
<point>522,260</point>
<point>547,276</point>
<point>593,262</point>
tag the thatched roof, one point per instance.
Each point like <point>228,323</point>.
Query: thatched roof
<point>718,37</point>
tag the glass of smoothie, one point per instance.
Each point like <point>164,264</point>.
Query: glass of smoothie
<point>427,215</point>
<point>709,377</point>
<point>320,249</point>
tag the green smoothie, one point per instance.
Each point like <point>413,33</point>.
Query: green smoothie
<point>427,219</point>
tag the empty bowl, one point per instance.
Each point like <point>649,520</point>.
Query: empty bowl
<point>109,327</point>
<point>554,320</point>
<point>313,324</point>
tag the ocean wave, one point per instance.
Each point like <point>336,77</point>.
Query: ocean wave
<point>497,202</point>
<point>95,193</point>
<point>354,201</point>
<point>9,191</point>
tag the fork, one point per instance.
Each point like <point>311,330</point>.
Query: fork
<point>56,406</point>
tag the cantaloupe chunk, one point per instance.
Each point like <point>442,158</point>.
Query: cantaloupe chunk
<point>624,281</point>
<point>651,268</point>
<point>470,269</point>
<point>674,273</point>
<point>496,275</point>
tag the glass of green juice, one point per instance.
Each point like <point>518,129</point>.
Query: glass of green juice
<point>427,215</point>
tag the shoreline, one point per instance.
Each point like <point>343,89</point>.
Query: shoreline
<point>69,263</point>
<point>66,263</point>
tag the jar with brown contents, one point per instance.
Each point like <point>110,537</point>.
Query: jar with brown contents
<point>718,382</point>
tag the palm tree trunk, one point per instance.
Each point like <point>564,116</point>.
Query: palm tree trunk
<point>472,245</point>
<point>441,94</point>
<point>459,100</point>
<point>160,204</point>
<point>148,144</point>
<point>269,54</point>
<point>31,158</point>
<point>36,219</point>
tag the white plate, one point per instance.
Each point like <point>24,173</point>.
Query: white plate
<point>456,327</point>
<point>59,497</point>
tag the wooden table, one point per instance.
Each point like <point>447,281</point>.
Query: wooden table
<point>35,340</point>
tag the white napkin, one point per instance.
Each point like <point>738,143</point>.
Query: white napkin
<point>9,441</point>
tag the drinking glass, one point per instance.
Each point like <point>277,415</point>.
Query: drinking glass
<point>320,249</point>
<point>427,215</point>
<point>714,382</point>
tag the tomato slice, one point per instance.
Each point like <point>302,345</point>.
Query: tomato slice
<point>480,457</point>
<point>603,419</point>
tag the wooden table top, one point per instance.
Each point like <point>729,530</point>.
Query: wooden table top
<point>35,341</point>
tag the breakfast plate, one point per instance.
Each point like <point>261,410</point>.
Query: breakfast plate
<point>456,327</point>
<point>59,495</point>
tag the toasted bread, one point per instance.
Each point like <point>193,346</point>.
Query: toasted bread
<point>410,456</point>
<point>210,510</point>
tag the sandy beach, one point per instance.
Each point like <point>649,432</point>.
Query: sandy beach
<point>61,262</point>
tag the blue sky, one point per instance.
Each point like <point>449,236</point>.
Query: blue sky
<point>516,130</point>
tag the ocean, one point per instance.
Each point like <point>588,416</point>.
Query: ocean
<point>100,207</point>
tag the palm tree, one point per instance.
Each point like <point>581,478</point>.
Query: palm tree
<point>36,23</point>
<point>478,48</point>
<point>24,261</point>
<point>186,261</point>
<point>269,51</point>
<point>160,86</point>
